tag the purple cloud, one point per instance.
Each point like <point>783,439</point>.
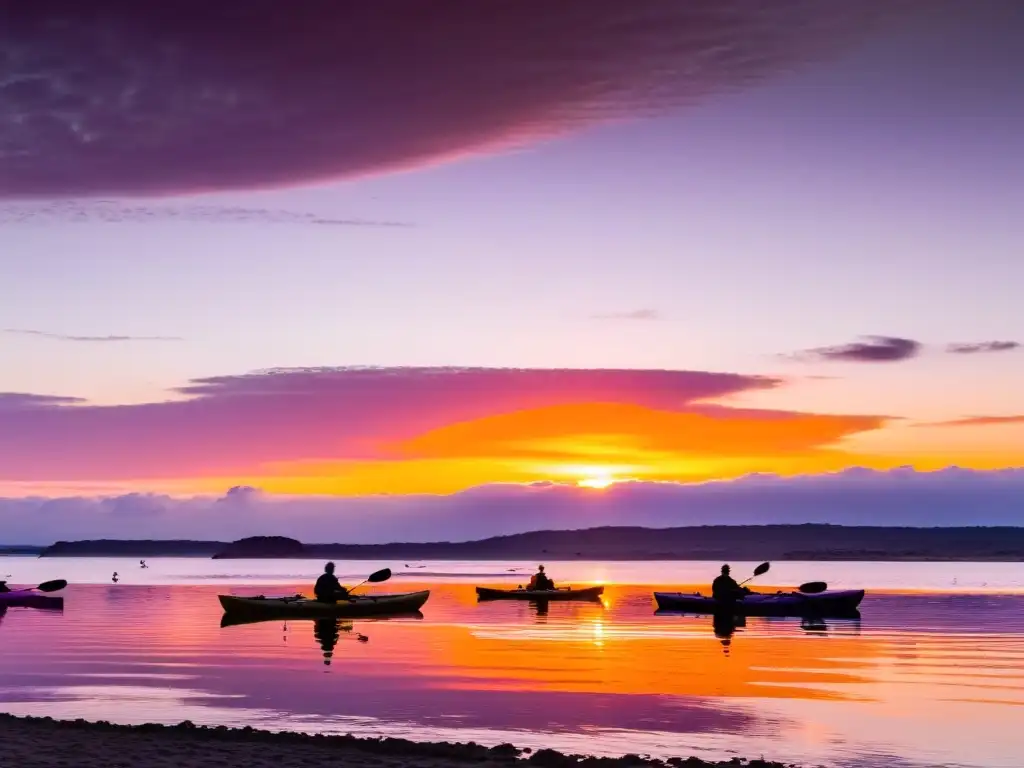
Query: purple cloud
<point>982,347</point>
<point>125,97</point>
<point>14,402</point>
<point>233,424</point>
<point>70,337</point>
<point>899,497</point>
<point>874,349</point>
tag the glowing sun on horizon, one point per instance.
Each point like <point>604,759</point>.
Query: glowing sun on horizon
<point>597,481</point>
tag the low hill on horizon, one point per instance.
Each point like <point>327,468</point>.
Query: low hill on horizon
<point>743,542</point>
<point>133,548</point>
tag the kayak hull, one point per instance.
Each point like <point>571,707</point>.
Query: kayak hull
<point>238,619</point>
<point>540,595</point>
<point>362,605</point>
<point>30,598</point>
<point>835,603</point>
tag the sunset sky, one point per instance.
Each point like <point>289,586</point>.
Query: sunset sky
<point>419,253</point>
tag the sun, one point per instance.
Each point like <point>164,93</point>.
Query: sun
<point>597,481</point>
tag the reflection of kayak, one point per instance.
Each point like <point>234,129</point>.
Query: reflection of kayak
<point>237,619</point>
<point>835,603</point>
<point>539,595</point>
<point>360,605</point>
<point>31,599</point>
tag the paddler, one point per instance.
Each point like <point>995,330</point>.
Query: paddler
<point>725,589</point>
<point>328,589</point>
<point>540,580</point>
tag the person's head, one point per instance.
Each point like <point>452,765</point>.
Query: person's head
<point>540,568</point>
<point>725,570</point>
<point>329,568</point>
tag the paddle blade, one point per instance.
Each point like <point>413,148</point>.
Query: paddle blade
<point>762,568</point>
<point>52,586</point>
<point>378,576</point>
<point>813,587</point>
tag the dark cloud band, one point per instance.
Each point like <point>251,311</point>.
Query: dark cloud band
<point>125,97</point>
<point>873,349</point>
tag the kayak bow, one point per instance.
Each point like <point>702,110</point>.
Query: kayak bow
<point>30,598</point>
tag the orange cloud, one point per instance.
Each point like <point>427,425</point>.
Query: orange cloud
<point>356,431</point>
<point>583,441</point>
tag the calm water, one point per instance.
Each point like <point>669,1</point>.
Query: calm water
<point>931,675</point>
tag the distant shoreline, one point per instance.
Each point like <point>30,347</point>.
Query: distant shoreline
<point>810,542</point>
<point>44,742</point>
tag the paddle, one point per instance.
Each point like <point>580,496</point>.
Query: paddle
<point>759,571</point>
<point>52,586</point>
<point>813,587</point>
<point>374,578</point>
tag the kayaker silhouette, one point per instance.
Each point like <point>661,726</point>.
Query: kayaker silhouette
<point>540,580</point>
<point>142,564</point>
<point>725,589</point>
<point>328,589</point>
<point>114,577</point>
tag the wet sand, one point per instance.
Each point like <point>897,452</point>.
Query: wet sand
<point>45,743</point>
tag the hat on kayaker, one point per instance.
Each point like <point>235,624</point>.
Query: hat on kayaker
<point>725,568</point>
<point>329,567</point>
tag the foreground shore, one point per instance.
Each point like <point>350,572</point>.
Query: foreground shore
<point>29,742</point>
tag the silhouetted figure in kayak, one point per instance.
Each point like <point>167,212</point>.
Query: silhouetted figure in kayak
<point>725,589</point>
<point>540,580</point>
<point>142,564</point>
<point>328,589</point>
<point>114,577</point>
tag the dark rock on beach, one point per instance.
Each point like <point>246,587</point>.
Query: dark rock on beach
<point>46,743</point>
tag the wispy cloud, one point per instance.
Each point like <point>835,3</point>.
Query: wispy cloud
<point>874,349</point>
<point>89,339</point>
<point>976,421</point>
<point>982,347</point>
<point>22,401</point>
<point>636,314</point>
<point>117,212</point>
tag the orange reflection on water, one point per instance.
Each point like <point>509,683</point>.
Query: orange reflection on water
<point>587,648</point>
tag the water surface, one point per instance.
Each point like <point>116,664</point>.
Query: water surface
<point>933,676</point>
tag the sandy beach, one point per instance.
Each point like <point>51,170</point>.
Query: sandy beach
<point>47,743</point>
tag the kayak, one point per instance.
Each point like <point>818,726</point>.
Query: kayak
<point>359,605</point>
<point>540,595</point>
<point>30,598</point>
<point>237,619</point>
<point>837,603</point>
